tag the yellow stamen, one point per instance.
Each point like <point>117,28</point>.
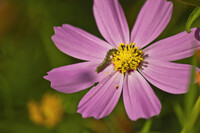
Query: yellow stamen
<point>127,57</point>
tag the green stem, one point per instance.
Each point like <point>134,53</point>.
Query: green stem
<point>193,117</point>
<point>147,126</point>
<point>193,16</point>
<point>190,2</point>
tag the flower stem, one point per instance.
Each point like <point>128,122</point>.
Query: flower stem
<point>193,117</point>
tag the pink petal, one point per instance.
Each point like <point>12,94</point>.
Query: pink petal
<point>152,20</point>
<point>79,44</point>
<point>173,48</point>
<point>167,76</point>
<point>73,78</point>
<point>101,99</point>
<point>111,21</point>
<point>139,99</point>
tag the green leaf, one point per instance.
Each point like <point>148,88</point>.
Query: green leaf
<point>193,16</point>
<point>191,2</point>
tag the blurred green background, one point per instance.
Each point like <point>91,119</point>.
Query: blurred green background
<point>27,53</point>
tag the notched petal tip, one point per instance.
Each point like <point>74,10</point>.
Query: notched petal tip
<point>53,38</point>
<point>46,77</point>
<point>147,117</point>
<point>73,78</point>
<point>101,99</point>
<point>79,43</point>
<point>66,25</point>
<point>140,101</point>
<point>111,21</point>
<point>170,2</point>
<point>158,73</point>
<point>151,21</point>
<point>84,115</point>
<point>55,28</point>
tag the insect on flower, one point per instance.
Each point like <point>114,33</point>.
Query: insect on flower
<point>123,62</point>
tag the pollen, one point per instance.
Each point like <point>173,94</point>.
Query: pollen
<point>127,58</point>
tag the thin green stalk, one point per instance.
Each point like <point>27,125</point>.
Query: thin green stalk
<point>192,93</point>
<point>193,16</point>
<point>147,126</point>
<point>180,114</point>
<point>190,2</point>
<point>193,117</point>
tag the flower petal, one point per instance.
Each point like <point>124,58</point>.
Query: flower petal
<point>177,47</point>
<point>111,21</point>
<point>101,99</point>
<point>139,99</point>
<point>73,78</point>
<point>167,76</point>
<point>152,20</point>
<point>79,44</point>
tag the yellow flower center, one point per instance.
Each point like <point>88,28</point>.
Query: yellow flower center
<point>127,57</point>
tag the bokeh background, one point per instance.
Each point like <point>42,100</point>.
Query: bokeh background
<point>27,53</point>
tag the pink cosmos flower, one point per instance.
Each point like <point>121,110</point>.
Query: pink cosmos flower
<point>128,63</point>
